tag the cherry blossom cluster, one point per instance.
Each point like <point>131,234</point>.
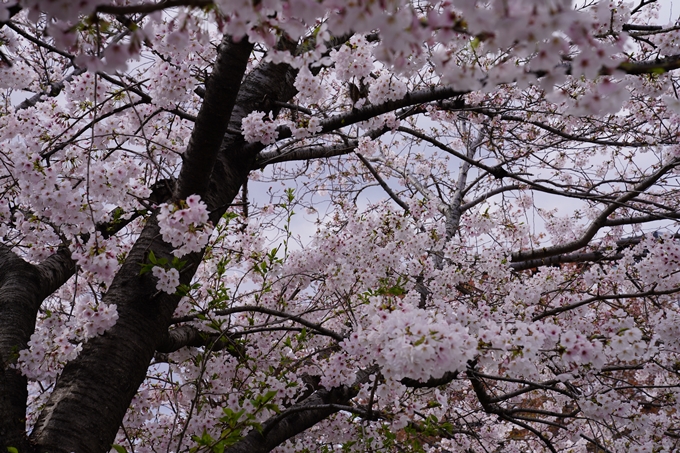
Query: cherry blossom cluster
<point>386,88</point>
<point>98,256</point>
<point>258,127</point>
<point>305,128</point>
<point>168,280</point>
<point>368,147</point>
<point>354,59</point>
<point>114,58</point>
<point>185,225</point>
<point>57,341</point>
<point>17,76</point>
<point>309,87</point>
<point>659,266</point>
<point>82,89</point>
<point>94,321</point>
<point>170,86</point>
<point>409,342</point>
<point>49,346</point>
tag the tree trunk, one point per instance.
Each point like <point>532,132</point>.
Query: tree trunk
<point>94,391</point>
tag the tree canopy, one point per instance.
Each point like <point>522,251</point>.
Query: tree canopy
<point>320,225</point>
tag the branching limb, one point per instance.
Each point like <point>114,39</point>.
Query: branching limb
<point>492,408</point>
<point>300,417</point>
<point>268,311</point>
<point>432,382</point>
<point>599,221</point>
<point>55,271</point>
<point>596,443</point>
<point>213,117</point>
<point>183,336</point>
<point>489,194</point>
<point>382,182</point>
<point>558,310</point>
<point>455,210</point>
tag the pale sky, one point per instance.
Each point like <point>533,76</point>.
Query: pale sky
<point>668,13</point>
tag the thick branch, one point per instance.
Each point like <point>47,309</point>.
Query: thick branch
<point>432,382</point>
<point>222,88</point>
<point>315,151</point>
<point>305,153</point>
<point>147,8</point>
<point>657,66</point>
<point>55,271</point>
<point>597,255</point>
<point>94,390</point>
<point>584,257</point>
<point>642,219</point>
<point>184,336</point>
<point>20,298</point>
<point>488,195</point>
<point>320,405</point>
<point>371,111</point>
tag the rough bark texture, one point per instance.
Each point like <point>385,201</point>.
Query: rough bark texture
<point>261,87</point>
<point>19,302</point>
<point>211,122</point>
<point>94,391</point>
<point>23,287</point>
<point>318,406</point>
<point>278,431</point>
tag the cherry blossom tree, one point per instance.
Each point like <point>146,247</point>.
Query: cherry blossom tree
<point>320,225</point>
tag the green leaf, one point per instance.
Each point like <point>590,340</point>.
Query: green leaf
<point>145,268</point>
<point>290,194</point>
<point>118,448</point>
<point>178,264</point>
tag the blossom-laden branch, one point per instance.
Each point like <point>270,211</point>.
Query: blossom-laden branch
<point>315,408</point>
<point>601,219</point>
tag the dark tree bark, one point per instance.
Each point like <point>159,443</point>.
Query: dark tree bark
<point>211,122</point>
<point>277,431</point>
<point>23,287</point>
<point>19,303</point>
<point>94,391</point>
<point>318,406</point>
